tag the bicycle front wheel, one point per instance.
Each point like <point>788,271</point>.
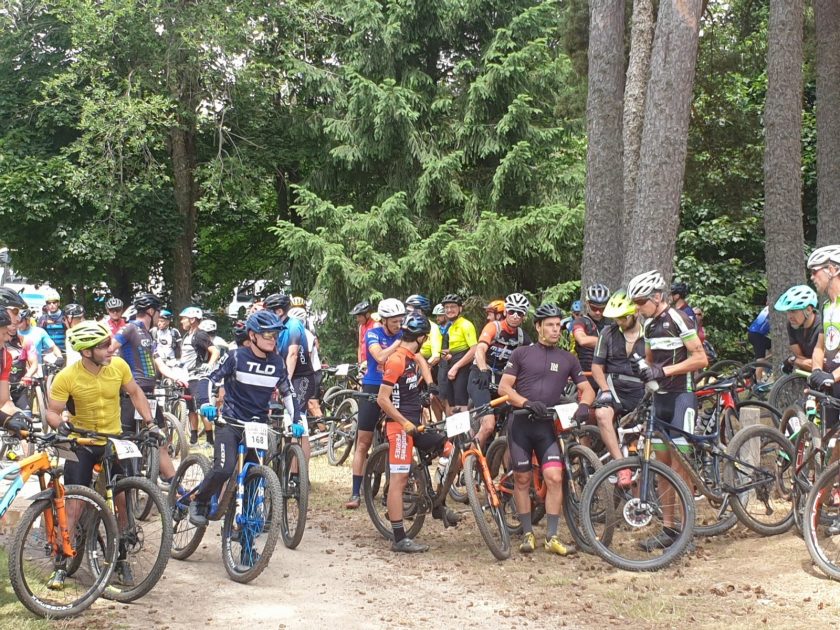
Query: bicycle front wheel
<point>248,539</point>
<point>821,523</point>
<point>809,463</point>
<point>342,432</point>
<point>185,536</point>
<point>635,529</point>
<point>503,481</point>
<point>583,464</point>
<point>145,544</point>
<point>35,555</point>
<point>295,488</point>
<point>487,509</point>
<point>375,493</point>
<point>176,441</point>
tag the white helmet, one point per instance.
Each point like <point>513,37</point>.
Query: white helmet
<point>517,302</point>
<point>130,313</point>
<point>823,255</point>
<point>645,284</point>
<point>51,295</point>
<point>438,310</point>
<point>298,313</point>
<point>193,312</point>
<point>208,326</point>
<point>390,307</point>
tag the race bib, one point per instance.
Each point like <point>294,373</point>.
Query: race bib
<point>458,423</point>
<point>565,415</point>
<point>125,449</point>
<point>341,370</point>
<point>152,405</point>
<point>256,435</point>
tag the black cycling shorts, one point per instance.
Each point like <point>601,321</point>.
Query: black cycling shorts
<point>677,409</point>
<point>455,392</point>
<point>628,400</point>
<point>81,472</point>
<point>128,421</point>
<point>760,344</point>
<point>369,412</point>
<point>306,388</point>
<point>525,437</point>
<point>478,397</point>
<point>198,393</point>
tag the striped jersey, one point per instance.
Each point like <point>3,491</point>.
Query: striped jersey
<point>249,382</point>
<point>665,336</point>
<point>137,348</point>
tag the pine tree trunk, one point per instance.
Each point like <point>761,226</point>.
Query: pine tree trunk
<point>182,142</point>
<point>638,72</point>
<point>604,186</point>
<point>652,237</point>
<point>783,230</point>
<point>827,18</point>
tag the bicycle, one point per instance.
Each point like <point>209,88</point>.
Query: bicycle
<point>755,482</point>
<point>421,497</point>
<point>55,530</point>
<point>821,521</point>
<point>289,464</point>
<point>579,461</point>
<point>248,520</point>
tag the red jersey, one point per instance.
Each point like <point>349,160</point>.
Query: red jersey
<point>363,330</point>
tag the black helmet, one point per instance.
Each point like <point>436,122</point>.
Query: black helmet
<point>544,311</point>
<point>74,310</point>
<point>278,300</point>
<point>361,308</point>
<point>145,301</point>
<point>452,298</point>
<point>113,303</point>
<point>5,318</point>
<point>415,325</point>
<point>9,298</point>
<point>598,294</point>
<point>25,313</point>
<point>240,332</point>
<point>680,288</point>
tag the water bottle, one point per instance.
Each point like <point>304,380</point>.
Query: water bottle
<point>443,466</point>
<point>651,386</point>
<point>810,407</point>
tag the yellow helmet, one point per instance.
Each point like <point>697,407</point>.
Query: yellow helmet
<point>619,305</point>
<point>87,335</point>
<point>298,301</point>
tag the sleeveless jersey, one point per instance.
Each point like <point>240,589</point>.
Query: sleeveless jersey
<point>501,341</point>
<point>53,324</point>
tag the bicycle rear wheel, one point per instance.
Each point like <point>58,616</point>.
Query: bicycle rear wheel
<point>342,432</point>
<point>809,461</point>
<point>788,391</point>
<point>248,540</point>
<point>761,476</point>
<point>176,441</point>
<point>628,530</point>
<point>32,559</point>
<point>375,494</point>
<point>488,517</point>
<point>295,493</point>
<point>583,464</point>
<point>150,469</point>
<point>503,481</point>
<point>145,544</point>
<point>185,536</point>
<point>822,517</point>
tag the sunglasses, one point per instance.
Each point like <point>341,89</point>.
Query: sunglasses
<point>52,301</point>
<point>268,336</point>
<point>103,346</point>
<point>597,307</point>
<point>641,301</point>
<point>516,313</point>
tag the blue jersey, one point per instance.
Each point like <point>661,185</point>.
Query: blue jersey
<point>38,339</point>
<point>249,383</point>
<point>761,324</point>
<point>293,333</point>
<point>379,337</point>
<point>54,324</point>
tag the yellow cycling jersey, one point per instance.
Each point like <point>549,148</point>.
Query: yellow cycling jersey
<point>433,341</point>
<point>96,397</point>
<point>462,336</point>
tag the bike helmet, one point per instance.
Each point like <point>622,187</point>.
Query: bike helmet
<point>166,314</point>
<point>72,310</point>
<point>496,306</point>
<point>51,295</point>
<point>797,298</point>
<point>297,313</point>
<point>438,310</point>
<point>824,255</point>
<point>577,306</point>
<point>597,294</point>
<point>240,332</point>
<point>5,318</point>
<point>193,312</point>
<point>390,307</point>
<point>419,301</point>
<point>207,325</point>
<point>263,321</point>
<point>680,288</point>
<point>130,313</point>
<point>145,301</point>
<point>452,298</point>
<point>361,308</point>
<point>86,335</point>
<point>516,302</point>
<point>619,305</point>
<point>9,298</point>
<point>113,303</point>
<point>645,284</point>
<point>544,311</point>
<point>298,301</point>
<point>415,325</point>
<point>277,300</point>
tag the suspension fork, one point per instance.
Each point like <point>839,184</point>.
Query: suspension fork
<point>240,484</point>
<point>485,473</point>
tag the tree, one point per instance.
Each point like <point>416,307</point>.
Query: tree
<point>653,228</point>
<point>784,237</point>
<point>603,230</point>
<point>827,19</point>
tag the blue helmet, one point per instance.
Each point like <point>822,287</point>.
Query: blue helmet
<point>577,306</point>
<point>419,301</point>
<point>797,298</point>
<point>416,325</point>
<point>263,321</point>
<point>166,314</point>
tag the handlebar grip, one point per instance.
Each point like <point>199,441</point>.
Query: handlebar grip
<point>501,400</point>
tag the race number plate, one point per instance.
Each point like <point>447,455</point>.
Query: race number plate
<point>458,423</point>
<point>565,414</point>
<point>341,370</point>
<point>125,449</point>
<point>256,435</point>
<point>152,405</point>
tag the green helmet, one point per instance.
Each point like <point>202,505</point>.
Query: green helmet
<point>796,298</point>
<point>619,305</point>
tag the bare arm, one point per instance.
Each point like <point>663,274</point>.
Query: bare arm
<point>600,376</point>
<point>696,360</point>
<point>582,339</point>
<point>506,389</point>
<point>381,354</point>
<point>383,399</point>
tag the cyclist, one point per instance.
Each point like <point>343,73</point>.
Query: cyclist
<point>90,390</point>
<point>210,327</point>
<point>73,315</point>
<point>380,343</point>
<point>167,339</point>
<point>309,371</point>
<point>758,334</point>
<point>399,398</point>
<point>495,310</point>
<point>53,320</point>
<point>673,352</point>
<point>37,338</point>
<point>299,302</point>
<point>495,345</point>
<point>586,328</point>
<point>420,304</point>
<point>246,380</point>
<point>679,291</point>
<point>198,356</point>
<point>24,367</point>
<point>620,391</point>
<point>534,379</point>
<point>114,319</point>
<point>12,302</point>
<point>804,325</point>
<point>362,312</point>
<point>457,351</point>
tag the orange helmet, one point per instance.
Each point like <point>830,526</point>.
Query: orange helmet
<point>496,306</point>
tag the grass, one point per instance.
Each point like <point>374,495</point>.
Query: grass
<point>12,613</point>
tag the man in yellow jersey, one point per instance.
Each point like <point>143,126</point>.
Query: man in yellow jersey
<point>457,352</point>
<point>90,391</point>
